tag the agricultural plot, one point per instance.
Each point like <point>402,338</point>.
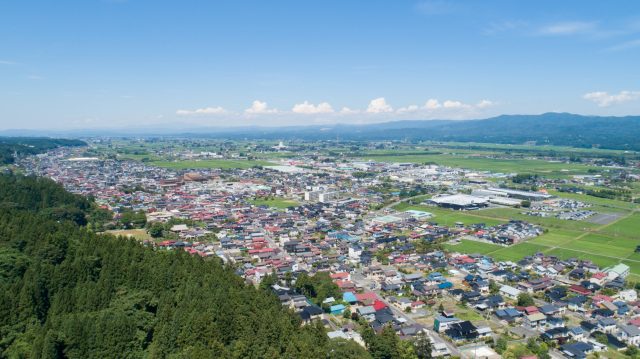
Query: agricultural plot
<point>628,227</point>
<point>547,168</point>
<point>471,247</point>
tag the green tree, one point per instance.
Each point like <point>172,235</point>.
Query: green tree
<point>525,299</point>
<point>156,230</point>
<point>422,346</point>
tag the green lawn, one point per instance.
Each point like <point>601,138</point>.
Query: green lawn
<point>471,247</point>
<point>518,251</point>
<point>280,203</point>
<point>224,164</point>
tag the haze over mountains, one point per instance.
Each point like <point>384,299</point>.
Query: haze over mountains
<point>563,129</point>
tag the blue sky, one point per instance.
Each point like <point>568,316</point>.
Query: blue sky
<point>114,63</point>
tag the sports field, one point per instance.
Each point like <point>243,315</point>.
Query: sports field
<point>280,203</point>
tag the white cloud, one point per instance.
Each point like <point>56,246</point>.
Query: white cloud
<point>309,108</point>
<point>260,107</point>
<point>484,104</point>
<point>409,109</point>
<point>202,111</point>
<point>448,107</point>
<point>604,99</point>
<point>5,62</point>
<point>348,111</point>
<point>454,104</point>
<point>432,104</point>
<point>379,105</point>
<point>569,28</point>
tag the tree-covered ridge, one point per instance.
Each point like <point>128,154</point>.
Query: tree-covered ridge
<point>66,292</point>
<point>9,146</point>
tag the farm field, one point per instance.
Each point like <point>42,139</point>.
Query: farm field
<point>547,168</point>
<point>183,165</point>
<point>471,247</point>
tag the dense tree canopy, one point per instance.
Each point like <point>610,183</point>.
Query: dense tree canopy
<point>11,146</point>
<point>67,292</point>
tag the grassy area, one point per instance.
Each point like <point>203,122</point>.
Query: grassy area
<point>139,234</point>
<point>516,252</point>
<point>628,227</point>
<point>279,203</point>
<point>546,168</point>
<point>472,247</point>
<point>182,165</point>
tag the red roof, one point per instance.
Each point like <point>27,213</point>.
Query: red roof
<point>366,296</point>
<point>379,305</point>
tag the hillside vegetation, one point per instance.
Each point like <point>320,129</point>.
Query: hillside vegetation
<point>66,292</point>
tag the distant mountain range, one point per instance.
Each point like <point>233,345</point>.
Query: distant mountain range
<point>563,129</point>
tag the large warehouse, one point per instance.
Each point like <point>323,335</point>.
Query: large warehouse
<point>460,201</point>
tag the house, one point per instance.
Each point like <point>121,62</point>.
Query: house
<point>349,297</point>
<point>311,312</point>
<point>629,334</point>
<point>607,325</point>
<point>620,270</point>
<point>510,292</point>
<point>337,309</point>
<point>441,323</point>
<point>576,333</point>
<point>509,315</point>
<point>535,320</point>
<point>628,295</point>
<point>559,334</point>
<point>577,350</point>
<point>462,331</point>
<point>367,312</point>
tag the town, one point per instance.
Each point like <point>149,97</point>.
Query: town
<point>482,262</point>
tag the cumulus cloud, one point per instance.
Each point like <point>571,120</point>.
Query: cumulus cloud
<point>409,109</point>
<point>310,109</point>
<point>604,99</point>
<point>448,107</point>
<point>348,111</point>
<point>379,105</point>
<point>202,111</point>
<point>454,104</point>
<point>260,107</point>
<point>484,104</point>
<point>432,104</point>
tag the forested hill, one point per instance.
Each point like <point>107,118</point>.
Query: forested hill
<point>68,293</point>
<point>562,129</point>
<point>9,146</point>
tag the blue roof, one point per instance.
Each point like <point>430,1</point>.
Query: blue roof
<point>349,297</point>
<point>337,307</point>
